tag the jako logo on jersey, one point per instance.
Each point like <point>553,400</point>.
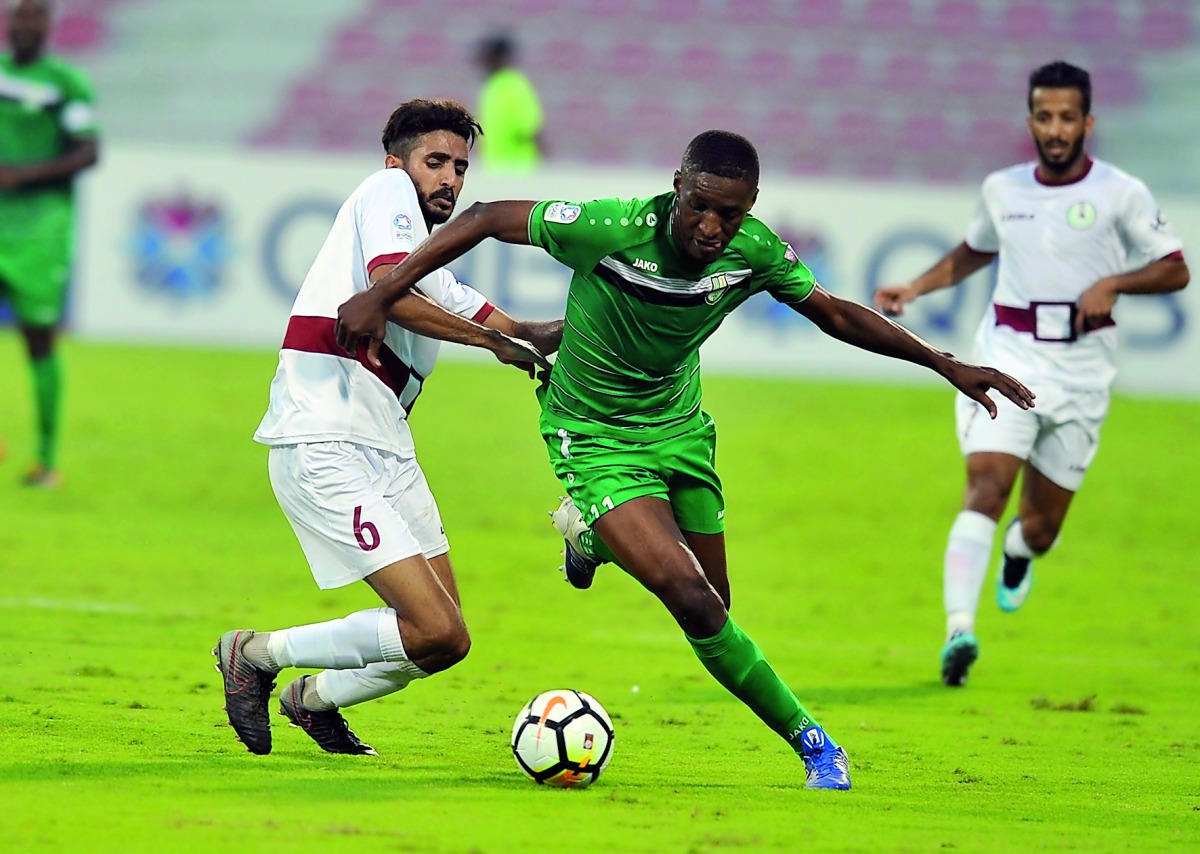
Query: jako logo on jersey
<point>180,247</point>
<point>789,254</point>
<point>403,226</point>
<point>719,285</point>
<point>1081,215</point>
<point>561,212</point>
<point>645,265</point>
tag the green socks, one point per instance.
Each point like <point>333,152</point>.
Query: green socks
<point>736,662</point>
<point>47,393</point>
<point>594,546</point>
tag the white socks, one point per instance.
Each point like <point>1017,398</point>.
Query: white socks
<point>362,638</point>
<point>363,652</point>
<point>348,687</point>
<point>1014,541</point>
<point>968,551</point>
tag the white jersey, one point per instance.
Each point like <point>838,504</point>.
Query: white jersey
<point>1056,241</point>
<point>321,393</point>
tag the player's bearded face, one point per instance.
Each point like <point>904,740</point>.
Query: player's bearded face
<point>708,212</point>
<point>1059,127</point>
<point>438,167</point>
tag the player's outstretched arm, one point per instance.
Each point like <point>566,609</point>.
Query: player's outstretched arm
<point>364,315</point>
<point>956,265</point>
<point>858,325</point>
<point>416,312</point>
<point>546,335</point>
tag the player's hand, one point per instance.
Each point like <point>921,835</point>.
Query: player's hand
<point>362,316</point>
<point>891,300</point>
<point>975,381</point>
<point>1095,306</point>
<point>521,354</point>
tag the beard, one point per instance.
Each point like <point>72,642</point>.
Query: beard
<point>1060,166</point>
<point>435,216</point>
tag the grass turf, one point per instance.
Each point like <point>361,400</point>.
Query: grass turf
<point>1077,730</point>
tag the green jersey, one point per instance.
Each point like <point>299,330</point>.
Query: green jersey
<point>43,106</point>
<point>638,311</point>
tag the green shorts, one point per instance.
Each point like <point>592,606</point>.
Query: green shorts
<point>600,473</point>
<point>34,270</point>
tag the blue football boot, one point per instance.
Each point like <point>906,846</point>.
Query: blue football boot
<point>826,765</point>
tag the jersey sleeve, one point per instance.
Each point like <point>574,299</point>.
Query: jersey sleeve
<point>77,118</point>
<point>462,299</point>
<point>388,219</point>
<point>786,277</point>
<point>1145,232</point>
<point>981,230</point>
<point>578,234</point>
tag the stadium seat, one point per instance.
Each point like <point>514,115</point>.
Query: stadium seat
<point>767,68</point>
<point>631,59</point>
<point>836,70</point>
<point>77,32</point>
<point>1115,84</point>
<point>1098,25</point>
<point>957,19</point>
<point>1027,22</point>
<point>1165,28</point>
<point>977,77</point>
<point>814,14</point>
<point>888,16</point>
<point>926,132</point>
<point>907,73</point>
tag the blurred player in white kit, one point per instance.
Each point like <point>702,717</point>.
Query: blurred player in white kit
<point>1072,234</point>
<point>342,462</point>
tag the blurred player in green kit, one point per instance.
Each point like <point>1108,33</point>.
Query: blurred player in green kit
<point>47,136</point>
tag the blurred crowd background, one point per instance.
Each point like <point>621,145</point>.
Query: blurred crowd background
<point>926,90</point>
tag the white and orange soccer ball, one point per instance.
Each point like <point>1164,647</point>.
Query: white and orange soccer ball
<point>563,738</point>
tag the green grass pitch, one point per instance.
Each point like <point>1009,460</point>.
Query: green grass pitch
<point>1078,730</point>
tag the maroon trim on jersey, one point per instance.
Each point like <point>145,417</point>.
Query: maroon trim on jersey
<point>1177,255</point>
<point>1025,319</point>
<point>484,313</point>
<point>315,335</point>
<point>379,261</point>
<point>1050,182</point>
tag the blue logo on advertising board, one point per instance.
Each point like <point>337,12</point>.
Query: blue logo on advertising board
<point>180,247</point>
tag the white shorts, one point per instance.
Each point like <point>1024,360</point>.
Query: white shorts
<point>355,509</point>
<point>1059,436</point>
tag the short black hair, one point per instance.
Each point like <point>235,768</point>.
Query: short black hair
<point>1062,75</point>
<point>498,46</point>
<point>723,153</point>
<point>413,119</point>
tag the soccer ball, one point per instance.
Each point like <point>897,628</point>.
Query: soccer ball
<point>563,738</point>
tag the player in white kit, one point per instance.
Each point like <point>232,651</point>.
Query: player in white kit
<point>1072,234</point>
<point>342,462</point>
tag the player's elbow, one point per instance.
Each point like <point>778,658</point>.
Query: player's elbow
<point>1182,275</point>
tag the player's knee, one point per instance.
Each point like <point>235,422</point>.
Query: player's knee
<point>1040,535</point>
<point>987,496</point>
<point>692,599</point>
<point>437,645</point>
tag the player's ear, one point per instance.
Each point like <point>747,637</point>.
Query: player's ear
<point>392,162</point>
<point>678,181</point>
<point>1089,122</point>
<point>753,199</point>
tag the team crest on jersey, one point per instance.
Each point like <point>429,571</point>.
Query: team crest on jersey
<point>1081,215</point>
<point>719,284</point>
<point>403,227</point>
<point>562,212</point>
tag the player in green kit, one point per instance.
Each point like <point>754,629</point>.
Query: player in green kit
<point>47,136</point>
<point>621,412</point>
